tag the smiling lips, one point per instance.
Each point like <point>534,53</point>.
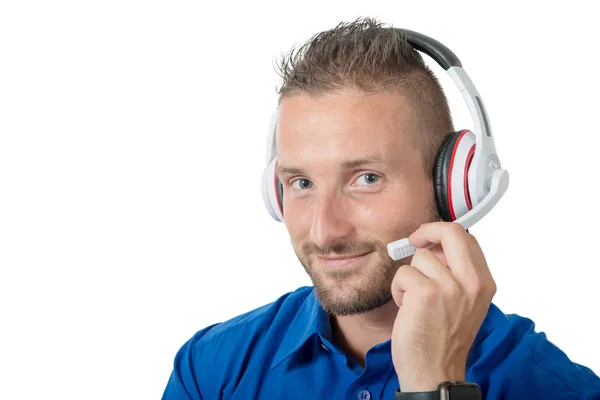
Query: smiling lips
<point>346,261</point>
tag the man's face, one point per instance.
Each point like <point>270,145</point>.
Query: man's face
<point>353,182</point>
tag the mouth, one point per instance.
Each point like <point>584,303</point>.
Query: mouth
<point>342,262</point>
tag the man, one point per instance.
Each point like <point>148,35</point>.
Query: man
<point>360,122</point>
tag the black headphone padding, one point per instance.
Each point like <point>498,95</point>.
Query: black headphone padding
<point>441,174</point>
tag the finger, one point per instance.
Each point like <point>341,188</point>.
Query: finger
<point>461,255</point>
<point>474,276</point>
<point>479,260</point>
<point>409,278</point>
<point>430,265</point>
<point>453,238</point>
<point>410,284</point>
<point>476,251</point>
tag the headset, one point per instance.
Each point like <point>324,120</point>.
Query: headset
<point>468,178</point>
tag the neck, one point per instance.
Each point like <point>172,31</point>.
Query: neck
<point>356,334</point>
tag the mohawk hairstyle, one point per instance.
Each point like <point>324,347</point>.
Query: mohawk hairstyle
<point>367,56</point>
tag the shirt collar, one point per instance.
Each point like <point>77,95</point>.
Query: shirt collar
<point>310,320</point>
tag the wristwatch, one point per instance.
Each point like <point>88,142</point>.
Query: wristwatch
<point>448,390</point>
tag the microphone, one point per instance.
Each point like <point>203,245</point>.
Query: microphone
<point>499,183</point>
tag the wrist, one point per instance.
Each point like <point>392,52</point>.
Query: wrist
<point>428,382</point>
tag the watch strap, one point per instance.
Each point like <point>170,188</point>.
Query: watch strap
<point>435,395</point>
<point>460,391</point>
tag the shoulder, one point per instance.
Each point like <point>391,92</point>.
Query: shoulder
<point>554,363</point>
<point>219,354</point>
<point>514,351</point>
<point>255,322</point>
<point>258,331</point>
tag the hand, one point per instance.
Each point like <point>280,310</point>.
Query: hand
<point>443,297</point>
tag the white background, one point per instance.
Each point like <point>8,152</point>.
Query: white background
<point>132,141</point>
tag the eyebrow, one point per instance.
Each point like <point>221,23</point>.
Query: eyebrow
<point>348,164</point>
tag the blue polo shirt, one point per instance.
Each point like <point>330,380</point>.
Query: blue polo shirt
<point>284,350</point>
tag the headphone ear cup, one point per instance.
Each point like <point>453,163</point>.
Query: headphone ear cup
<point>450,175</point>
<point>440,175</point>
<point>272,191</point>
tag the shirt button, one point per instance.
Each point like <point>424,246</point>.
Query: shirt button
<point>364,395</point>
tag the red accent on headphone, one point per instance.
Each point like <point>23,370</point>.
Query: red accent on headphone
<point>466,182</point>
<point>452,213</point>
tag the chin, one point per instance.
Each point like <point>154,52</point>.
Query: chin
<point>355,291</point>
<point>343,303</point>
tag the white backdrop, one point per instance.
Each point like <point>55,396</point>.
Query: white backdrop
<point>132,141</point>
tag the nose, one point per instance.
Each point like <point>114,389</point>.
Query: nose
<point>331,221</point>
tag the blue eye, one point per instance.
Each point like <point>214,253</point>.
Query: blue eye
<point>303,184</point>
<point>369,179</point>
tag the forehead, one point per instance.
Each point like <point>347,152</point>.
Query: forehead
<point>344,123</point>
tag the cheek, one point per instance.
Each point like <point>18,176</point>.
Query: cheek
<point>395,213</point>
<point>382,218</point>
<point>297,220</point>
